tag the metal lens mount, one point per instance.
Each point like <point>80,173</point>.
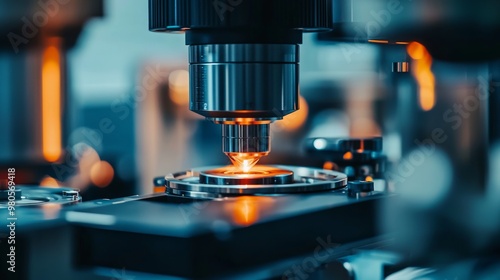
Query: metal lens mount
<point>258,175</point>
<point>211,182</point>
<point>230,81</point>
<point>254,138</point>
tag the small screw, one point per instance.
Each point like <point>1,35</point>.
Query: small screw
<point>73,194</point>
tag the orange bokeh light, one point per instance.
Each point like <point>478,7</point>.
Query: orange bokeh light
<point>101,174</point>
<point>328,165</point>
<point>51,101</point>
<point>416,50</point>
<point>296,119</point>
<point>423,74</point>
<point>178,85</point>
<point>50,182</point>
<point>347,156</point>
<point>245,161</point>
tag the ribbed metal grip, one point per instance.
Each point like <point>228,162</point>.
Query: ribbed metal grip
<point>246,138</point>
<point>178,15</point>
<point>244,80</point>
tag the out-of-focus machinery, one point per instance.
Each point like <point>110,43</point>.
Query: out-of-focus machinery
<point>429,211</point>
<point>43,135</point>
<point>36,36</point>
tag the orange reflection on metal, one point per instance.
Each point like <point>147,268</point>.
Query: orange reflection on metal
<point>378,41</point>
<point>48,181</point>
<point>51,210</point>
<point>423,75</point>
<point>347,156</point>
<point>159,189</point>
<point>243,121</point>
<point>51,101</point>
<point>369,179</point>
<point>248,209</point>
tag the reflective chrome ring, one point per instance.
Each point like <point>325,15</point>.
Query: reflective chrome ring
<point>231,81</point>
<point>259,175</point>
<point>237,53</point>
<point>305,179</point>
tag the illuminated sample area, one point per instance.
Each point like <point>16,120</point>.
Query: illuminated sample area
<point>258,175</point>
<point>246,142</point>
<point>245,161</point>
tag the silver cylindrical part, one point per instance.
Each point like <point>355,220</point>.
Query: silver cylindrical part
<point>253,138</point>
<point>229,81</point>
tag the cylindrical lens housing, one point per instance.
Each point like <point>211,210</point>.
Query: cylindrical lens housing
<point>248,138</point>
<point>231,81</point>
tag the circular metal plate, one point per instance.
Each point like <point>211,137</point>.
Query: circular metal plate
<point>305,179</point>
<point>258,175</point>
<point>38,196</point>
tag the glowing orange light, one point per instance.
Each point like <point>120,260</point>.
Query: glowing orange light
<point>101,174</point>
<point>245,161</point>
<point>51,101</point>
<point>247,213</point>
<point>329,165</point>
<point>378,41</point>
<point>296,119</point>
<point>362,146</point>
<point>247,209</point>
<point>48,181</point>
<point>178,85</point>
<point>423,75</point>
<point>159,189</point>
<point>246,165</point>
<point>244,121</point>
<point>416,50</point>
<point>347,156</point>
<point>369,179</point>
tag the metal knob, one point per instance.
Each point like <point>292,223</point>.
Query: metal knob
<point>360,188</point>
